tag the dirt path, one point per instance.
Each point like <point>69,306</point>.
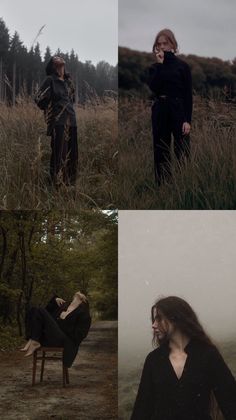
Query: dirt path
<point>91,394</point>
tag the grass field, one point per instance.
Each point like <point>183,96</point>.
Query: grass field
<point>206,181</point>
<point>25,154</point>
<point>129,381</point>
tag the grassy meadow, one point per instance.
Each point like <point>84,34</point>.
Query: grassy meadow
<point>206,181</point>
<point>129,381</point>
<point>25,154</point>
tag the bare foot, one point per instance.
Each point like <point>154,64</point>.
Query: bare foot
<point>26,346</point>
<point>34,345</point>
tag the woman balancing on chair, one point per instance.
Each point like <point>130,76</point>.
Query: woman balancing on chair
<point>56,97</point>
<point>60,324</point>
<point>170,80</point>
<point>180,375</point>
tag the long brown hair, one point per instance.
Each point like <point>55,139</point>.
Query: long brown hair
<point>178,311</point>
<point>169,35</point>
<point>181,314</point>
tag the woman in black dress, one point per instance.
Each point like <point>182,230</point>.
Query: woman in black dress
<point>181,374</point>
<point>60,324</point>
<point>171,82</point>
<point>55,97</point>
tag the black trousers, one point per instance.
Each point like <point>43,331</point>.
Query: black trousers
<point>168,118</point>
<point>42,327</point>
<point>64,157</point>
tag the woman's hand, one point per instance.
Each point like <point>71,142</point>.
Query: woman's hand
<point>186,128</point>
<point>60,301</point>
<point>159,55</point>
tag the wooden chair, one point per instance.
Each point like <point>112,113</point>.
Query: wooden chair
<point>43,357</point>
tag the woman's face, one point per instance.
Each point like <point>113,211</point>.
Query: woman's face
<point>161,326</point>
<point>163,44</point>
<point>59,64</point>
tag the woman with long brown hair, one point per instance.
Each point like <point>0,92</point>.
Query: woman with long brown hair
<point>180,375</point>
<point>55,97</point>
<point>171,82</point>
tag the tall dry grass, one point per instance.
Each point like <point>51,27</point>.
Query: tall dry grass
<point>206,181</point>
<point>25,154</point>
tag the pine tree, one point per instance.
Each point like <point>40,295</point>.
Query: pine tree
<point>47,55</point>
<point>4,40</point>
<point>4,47</point>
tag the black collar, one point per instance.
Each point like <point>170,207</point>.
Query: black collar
<point>169,57</point>
<point>192,344</point>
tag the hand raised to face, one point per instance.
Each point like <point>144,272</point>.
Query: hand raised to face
<point>159,55</point>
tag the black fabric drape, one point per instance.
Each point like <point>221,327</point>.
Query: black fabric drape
<point>162,396</point>
<point>171,83</point>
<point>64,156</point>
<point>55,97</point>
<point>46,326</point>
<point>167,118</point>
<point>173,79</point>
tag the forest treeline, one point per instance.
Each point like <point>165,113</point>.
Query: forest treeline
<point>23,70</point>
<point>211,76</point>
<point>46,253</point>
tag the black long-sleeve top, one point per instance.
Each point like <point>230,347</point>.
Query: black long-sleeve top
<point>162,396</point>
<point>75,326</point>
<point>173,78</point>
<point>56,97</point>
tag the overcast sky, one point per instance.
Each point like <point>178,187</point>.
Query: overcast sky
<point>202,27</point>
<point>191,254</point>
<point>89,27</point>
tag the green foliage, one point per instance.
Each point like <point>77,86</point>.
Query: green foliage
<point>9,338</point>
<point>208,74</point>
<point>47,253</point>
<point>30,68</point>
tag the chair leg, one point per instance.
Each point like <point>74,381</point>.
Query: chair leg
<point>42,366</point>
<point>34,367</point>
<point>63,375</point>
<point>67,376</point>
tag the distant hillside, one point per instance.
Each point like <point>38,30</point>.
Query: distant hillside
<point>210,75</point>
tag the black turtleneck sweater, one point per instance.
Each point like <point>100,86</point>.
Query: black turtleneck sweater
<point>173,78</point>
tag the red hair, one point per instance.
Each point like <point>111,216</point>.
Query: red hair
<point>169,35</point>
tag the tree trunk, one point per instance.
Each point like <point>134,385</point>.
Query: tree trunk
<point>1,81</point>
<point>4,250</point>
<point>76,88</point>
<point>14,85</point>
<point>23,281</point>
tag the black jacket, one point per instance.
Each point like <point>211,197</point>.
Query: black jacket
<point>172,78</point>
<point>162,396</point>
<point>55,97</point>
<point>75,326</point>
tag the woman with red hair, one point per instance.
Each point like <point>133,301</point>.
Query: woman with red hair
<point>171,82</point>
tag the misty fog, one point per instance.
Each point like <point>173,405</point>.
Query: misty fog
<point>190,254</point>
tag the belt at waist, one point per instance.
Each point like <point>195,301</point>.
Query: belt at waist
<point>168,97</point>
